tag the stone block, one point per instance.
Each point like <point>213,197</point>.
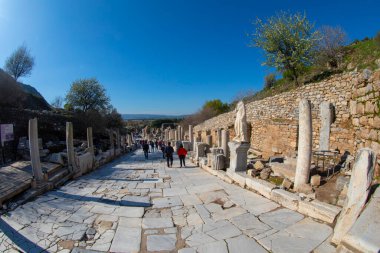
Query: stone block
<point>284,170</point>
<point>364,234</point>
<point>319,210</point>
<point>239,178</point>
<point>263,187</point>
<point>315,180</point>
<point>56,158</point>
<point>357,194</point>
<point>305,188</point>
<point>286,183</point>
<point>258,165</point>
<point>285,198</point>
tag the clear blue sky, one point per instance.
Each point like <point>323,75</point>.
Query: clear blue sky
<point>162,57</point>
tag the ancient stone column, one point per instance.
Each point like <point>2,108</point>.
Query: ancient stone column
<point>90,141</point>
<point>219,137</point>
<point>166,135</point>
<point>178,133</point>
<point>209,140</point>
<point>70,148</point>
<point>326,118</point>
<point>304,144</point>
<point>35,150</point>
<point>112,140</point>
<point>191,136</point>
<point>357,194</point>
<point>118,139</point>
<point>175,135</point>
<point>225,139</point>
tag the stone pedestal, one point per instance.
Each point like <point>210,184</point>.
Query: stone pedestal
<point>200,150</point>
<point>219,163</point>
<point>304,144</point>
<point>35,151</point>
<point>238,155</point>
<point>187,145</point>
<point>326,119</point>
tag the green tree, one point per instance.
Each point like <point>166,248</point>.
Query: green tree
<point>87,94</point>
<point>289,42</point>
<point>20,63</point>
<point>216,106</point>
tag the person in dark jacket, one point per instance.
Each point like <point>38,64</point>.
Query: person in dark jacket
<point>163,150</point>
<point>169,154</point>
<point>182,152</point>
<point>146,149</point>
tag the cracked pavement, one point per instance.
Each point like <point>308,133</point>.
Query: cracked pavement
<point>138,205</point>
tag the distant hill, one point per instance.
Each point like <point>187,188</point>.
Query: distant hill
<point>150,116</point>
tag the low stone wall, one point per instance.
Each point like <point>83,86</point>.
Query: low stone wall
<point>273,121</point>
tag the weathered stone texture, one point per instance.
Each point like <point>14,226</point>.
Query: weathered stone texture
<point>274,120</point>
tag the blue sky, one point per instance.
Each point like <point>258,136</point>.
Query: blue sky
<point>161,57</point>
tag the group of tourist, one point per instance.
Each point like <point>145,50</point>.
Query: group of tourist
<point>167,151</point>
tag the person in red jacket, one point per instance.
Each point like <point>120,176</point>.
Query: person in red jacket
<point>182,152</point>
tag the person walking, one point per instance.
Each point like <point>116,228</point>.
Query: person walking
<point>182,152</point>
<point>146,149</point>
<point>169,154</point>
<point>152,146</point>
<point>163,150</point>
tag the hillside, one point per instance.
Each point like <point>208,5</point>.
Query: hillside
<point>358,55</point>
<point>18,95</point>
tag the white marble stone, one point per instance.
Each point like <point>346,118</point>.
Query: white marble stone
<point>358,190</point>
<point>364,234</point>
<point>301,237</point>
<point>219,247</point>
<point>126,240</point>
<point>167,202</point>
<point>281,218</point>
<point>161,242</point>
<point>242,244</point>
<point>149,223</point>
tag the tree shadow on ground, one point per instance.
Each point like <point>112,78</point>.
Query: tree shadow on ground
<point>100,200</point>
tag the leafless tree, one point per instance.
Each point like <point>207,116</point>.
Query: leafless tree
<point>20,63</point>
<point>330,47</point>
<point>57,102</point>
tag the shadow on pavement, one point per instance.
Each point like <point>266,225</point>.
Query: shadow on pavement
<point>21,241</point>
<point>100,200</point>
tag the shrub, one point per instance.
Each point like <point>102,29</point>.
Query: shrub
<point>270,80</point>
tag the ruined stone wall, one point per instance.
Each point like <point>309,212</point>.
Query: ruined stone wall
<point>274,120</point>
<point>365,111</point>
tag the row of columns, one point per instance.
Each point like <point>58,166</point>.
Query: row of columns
<point>38,175</point>
<point>305,138</point>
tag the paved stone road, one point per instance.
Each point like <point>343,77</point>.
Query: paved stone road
<point>133,205</point>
